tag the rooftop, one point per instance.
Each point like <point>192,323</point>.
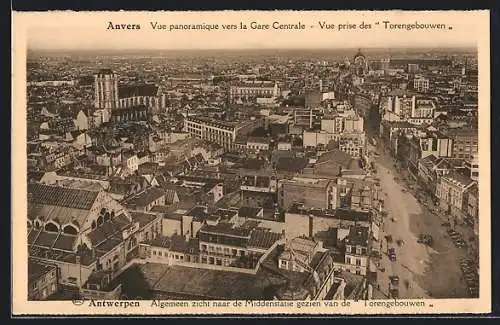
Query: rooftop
<point>263,238</point>
<point>38,269</point>
<point>61,196</point>
<point>357,236</point>
<point>146,197</point>
<point>342,214</point>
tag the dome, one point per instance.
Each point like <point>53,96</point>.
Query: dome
<point>359,55</point>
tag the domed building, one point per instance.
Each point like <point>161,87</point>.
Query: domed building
<point>360,64</point>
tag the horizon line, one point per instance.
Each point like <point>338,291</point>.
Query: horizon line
<point>432,47</point>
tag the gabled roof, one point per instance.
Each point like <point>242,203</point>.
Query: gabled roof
<point>263,238</point>
<point>144,198</point>
<point>61,196</point>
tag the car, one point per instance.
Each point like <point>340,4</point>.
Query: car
<point>394,279</point>
<point>392,254</point>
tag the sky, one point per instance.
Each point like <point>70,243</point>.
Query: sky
<point>67,30</point>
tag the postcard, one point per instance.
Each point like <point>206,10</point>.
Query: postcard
<point>251,162</point>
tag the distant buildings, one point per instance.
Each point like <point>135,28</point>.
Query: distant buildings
<point>253,90</point>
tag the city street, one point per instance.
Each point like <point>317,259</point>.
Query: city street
<point>430,271</point>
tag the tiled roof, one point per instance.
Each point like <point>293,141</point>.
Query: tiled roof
<point>61,196</point>
<point>108,245</point>
<point>107,230</point>
<point>37,269</point>
<point>169,196</point>
<point>65,242</point>
<point>46,239</point>
<point>262,238</point>
<point>149,195</point>
<point>143,218</point>
<point>249,212</point>
<point>33,235</point>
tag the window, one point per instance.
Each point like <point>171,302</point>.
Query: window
<point>69,229</point>
<point>51,227</point>
<point>358,262</point>
<point>154,252</point>
<point>347,260</point>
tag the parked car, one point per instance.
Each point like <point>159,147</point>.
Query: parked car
<point>394,286</point>
<point>392,254</point>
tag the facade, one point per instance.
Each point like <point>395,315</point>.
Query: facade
<point>357,248</point>
<point>222,133</point>
<point>438,146</point>
<point>421,84</point>
<point>465,142</point>
<point>247,91</point>
<point>42,280</point>
<point>148,95</point>
<point>235,245</point>
<point>451,192</point>
<point>305,117</point>
<point>106,90</point>
<point>472,207</point>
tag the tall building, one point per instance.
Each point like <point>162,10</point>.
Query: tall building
<point>360,64</point>
<point>106,89</point>
<point>221,132</point>
<point>421,84</point>
<point>465,142</point>
<point>413,67</point>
